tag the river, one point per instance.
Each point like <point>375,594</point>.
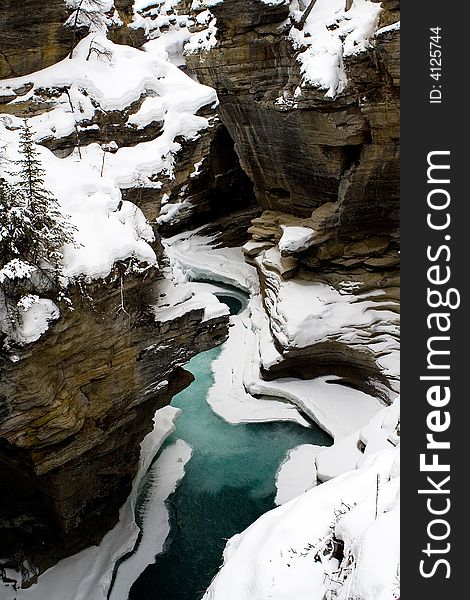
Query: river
<point>229,482</point>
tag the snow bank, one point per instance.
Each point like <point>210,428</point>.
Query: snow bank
<point>297,474</point>
<point>34,317</point>
<point>177,300</point>
<point>35,320</point>
<point>88,574</point>
<point>112,81</point>
<point>303,312</point>
<point>193,258</point>
<point>166,28</point>
<point>107,229</point>
<point>380,433</point>
<point>167,471</point>
<point>228,396</point>
<point>337,409</point>
<point>288,552</point>
<point>103,77</point>
<point>295,239</point>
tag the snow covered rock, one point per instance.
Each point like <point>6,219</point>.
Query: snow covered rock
<point>338,540</point>
<point>301,159</point>
<point>79,388</point>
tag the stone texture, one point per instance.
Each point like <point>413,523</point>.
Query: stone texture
<point>220,188</point>
<point>32,35</point>
<point>75,405</point>
<point>74,408</point>
<point>330,165</point>
<point>350,144</point>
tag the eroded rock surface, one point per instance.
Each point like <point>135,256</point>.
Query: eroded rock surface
<point>324,171</point>
<point>324,166</point>
<point>76,404</point>
<point>75,407</point>
<point>32,35</point>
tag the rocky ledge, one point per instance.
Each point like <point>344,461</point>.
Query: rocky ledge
<point>75,406</point>
<point>76,403</point>
<point>322,151</point>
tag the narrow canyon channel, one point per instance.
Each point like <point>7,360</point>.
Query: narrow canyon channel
<point>229,482</point>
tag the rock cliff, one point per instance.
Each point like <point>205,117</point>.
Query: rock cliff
<point>323,168</point>
<point>32,35</point>
<point>324,162</point>
<point>74,408</point>
<point>35,35</point>
<point>75,404</point>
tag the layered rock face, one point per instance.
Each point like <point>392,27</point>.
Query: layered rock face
<point>350,144</point>
<point>32,35</point>
<point>325,169</point>
<point>75,407</point>
<point>76,404</point>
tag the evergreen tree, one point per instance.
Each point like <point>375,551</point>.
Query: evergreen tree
<point>15,230</point>
<point>32,229</point>
<point>47,229</point>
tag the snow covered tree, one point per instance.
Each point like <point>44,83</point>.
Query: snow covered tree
<point>87,14</point>
<point>15,224</point>
<point>48,230</point>
<point>32,229</point>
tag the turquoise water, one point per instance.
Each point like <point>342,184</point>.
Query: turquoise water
<point>229,482</point>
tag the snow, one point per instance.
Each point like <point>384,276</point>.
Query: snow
<point>304,312</point>
<point>142,4</point>
<point>88,574</point>
<point>166,472</point>
<point>112,83</point>
<point>170,46</point>
<point>378,434</point>
<point>107,228</point>
<point>339,410</point>
<point>90,14</point>
<point>193,258</point>
<point>170,212</point>
<point>297,474</point>
<point>388,29</point>
<point>205,39</point>
<point>228,397</point>
<point>162,22</point>
<point>152,109</point>
<point>88,183</point>
<point>35,316</point>
<point>16,269</point>
<point>178,300</point>
<point>329,35</point>
<point>295,239</point>
<point>275,557</point>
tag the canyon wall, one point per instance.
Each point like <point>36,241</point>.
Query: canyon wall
<point>32,35</point>
<point>325,161</point>
<point>76,403</point>
<point>75,406</point>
